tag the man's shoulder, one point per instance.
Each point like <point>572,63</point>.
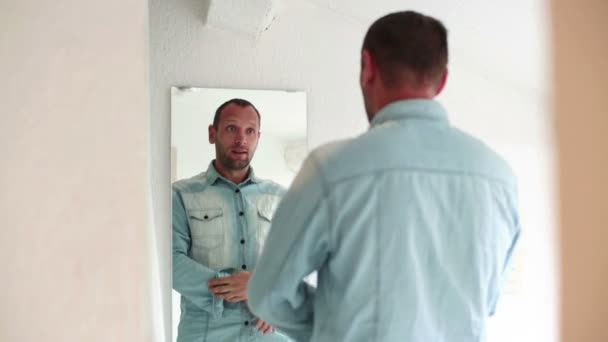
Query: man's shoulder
<point>371,153</point>
<point>270,187</point>
<point>336,159</point>
<point>194,183</point>
<point>330,151</point>
<point>487,160</point>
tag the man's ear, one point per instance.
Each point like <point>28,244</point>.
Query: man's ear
<point>212,134</point>
<point>444,80</point>
<point>368,68</point>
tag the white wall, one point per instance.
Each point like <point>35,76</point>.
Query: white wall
<point>497,90</point>
<point>74,203</point>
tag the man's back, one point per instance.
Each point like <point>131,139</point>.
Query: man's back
<point>424,219</point>
<point>421,220</point>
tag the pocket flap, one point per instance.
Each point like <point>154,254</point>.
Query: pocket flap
<point>206,214</point>
<point>265,211</point>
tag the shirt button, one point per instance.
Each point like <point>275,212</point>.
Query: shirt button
<point>237,191</point>
<point>242,242</point>
<point>246,322</point>
<point>241,213</point>
<point>206,217</point>
<point>244,267</point>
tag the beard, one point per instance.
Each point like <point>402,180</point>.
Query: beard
<point>222,154</point>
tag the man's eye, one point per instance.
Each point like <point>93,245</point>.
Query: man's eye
<point>250,131</point>
<point>230,128</point>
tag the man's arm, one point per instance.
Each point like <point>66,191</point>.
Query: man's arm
<point>507,266</point>
<point>298,243</point>
<point>505,274</point>
<point>190,278</point>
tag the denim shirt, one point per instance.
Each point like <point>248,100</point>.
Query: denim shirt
<point>219,228</point>
<point>411,227</point>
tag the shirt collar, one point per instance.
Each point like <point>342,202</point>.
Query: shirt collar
<point>410,109</point>
<point>212,175</point>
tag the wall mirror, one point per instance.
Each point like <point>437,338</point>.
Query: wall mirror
<point>281,149</point>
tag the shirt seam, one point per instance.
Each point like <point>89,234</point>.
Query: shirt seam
<point>325,187</point>
<point>377,280</point>
<point>420,170</point>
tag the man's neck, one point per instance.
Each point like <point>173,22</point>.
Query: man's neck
<point>235,176</point>
<point>401,95</point>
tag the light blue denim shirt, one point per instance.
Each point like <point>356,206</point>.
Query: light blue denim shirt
<point>218,228</point>
<point>411,227</point>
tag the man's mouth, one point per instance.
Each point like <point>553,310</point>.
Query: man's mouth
<point>240,153</point>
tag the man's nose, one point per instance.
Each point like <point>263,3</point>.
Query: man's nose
<point>241,138</point>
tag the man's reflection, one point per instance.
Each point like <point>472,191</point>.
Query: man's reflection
<point>220,220</point>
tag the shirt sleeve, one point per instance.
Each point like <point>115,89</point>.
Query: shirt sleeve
<point>506,271</point>
<point>298,244</point>
<point>508,264</point>
<point>190,278</point>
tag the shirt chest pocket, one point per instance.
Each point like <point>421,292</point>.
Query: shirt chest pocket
<point>208,235</point>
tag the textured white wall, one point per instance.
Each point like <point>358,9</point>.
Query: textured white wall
<point>74,203</point>
<point>497,90</point>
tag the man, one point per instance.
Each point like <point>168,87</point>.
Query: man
<point>220,221</point>
<point>410,226</point>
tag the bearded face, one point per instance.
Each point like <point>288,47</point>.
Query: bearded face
<point>235,137</point>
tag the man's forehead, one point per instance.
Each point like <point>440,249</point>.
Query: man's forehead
<point>246,114</point>
<point>240,116</point>
<point>240,119</point>
<point>237,108</point>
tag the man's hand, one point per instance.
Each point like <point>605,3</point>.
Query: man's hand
<point>232,289</point>
<point>264,327</point>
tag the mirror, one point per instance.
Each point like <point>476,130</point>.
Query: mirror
<point>281,149</point>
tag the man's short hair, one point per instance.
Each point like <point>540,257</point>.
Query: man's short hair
<point>238,102</point>
<point>408,47</point>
